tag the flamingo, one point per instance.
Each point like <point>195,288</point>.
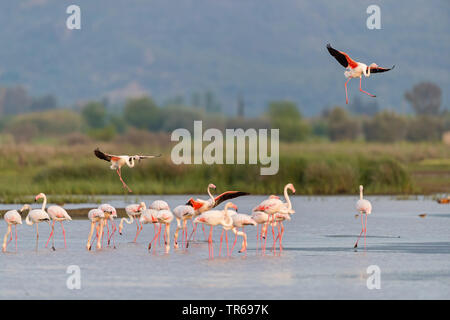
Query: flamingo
<point>182,215</point>
<point>364,207</point>
<point>118,161</point>
<point>56,213</point>
<point>164,217</point>
<point>274,205</point>
<point>110,213</point>
<point>13,217</point>
<point>201,206</point>
<point>240,220</point>
<point>355,69</point>
<point>37,216</point>
<point>213,218</point>
<point>133,211</point>
<point>97,218</point>
<point>159,205</point>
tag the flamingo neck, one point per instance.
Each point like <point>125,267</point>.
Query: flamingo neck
<point>130,162</point>
<point>210,195</point>
<point>128,220</point>
<point>44,204</point>
<point>286,196</point>
<point>360,194</point>
<point>28,221</point>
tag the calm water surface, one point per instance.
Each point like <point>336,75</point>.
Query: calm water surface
<point>318,261</point>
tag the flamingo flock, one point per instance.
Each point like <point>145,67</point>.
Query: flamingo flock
<point>271,213</point>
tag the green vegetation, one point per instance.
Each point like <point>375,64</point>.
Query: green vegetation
<point>72,173</point>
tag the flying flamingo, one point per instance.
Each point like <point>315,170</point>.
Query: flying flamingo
<point>134,212</point>
<point>364,207</point>
<point>182,215</point>
<point>201,206</point>
<point>355,69</point>
<point>56,213</point>
<point>164,217</point>
<point>97,218</point>
<point>37,216</point>
<point>110,213</point>
<point>13,217</point>
<point>118,161</point>
<point>274,205</point>
<point>213,218</point>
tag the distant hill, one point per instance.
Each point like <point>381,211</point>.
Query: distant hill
<point>264,49</point>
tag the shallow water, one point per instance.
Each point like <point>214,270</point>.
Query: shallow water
<point>318,261</point>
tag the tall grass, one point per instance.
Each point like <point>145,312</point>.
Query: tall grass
<point>323,168</point>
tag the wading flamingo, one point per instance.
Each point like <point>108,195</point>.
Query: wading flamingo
<point>164,217</point>
<point>159,205</point>
<point>117,162</point>
<point>213,218</point>
<point>13,217</point>
<point>272,206</point>
<point>355,69</point>
<point>37,216</point>
<point>97,218</point>
<point>364,207</point>
<point>134,212</point>
<point>182,215</point>
<point>56,213</point>
<point>201,206</point>
<point>110,213</point>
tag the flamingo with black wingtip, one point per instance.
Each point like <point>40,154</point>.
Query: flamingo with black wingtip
<point>118,161</point>
<point>355,69</point>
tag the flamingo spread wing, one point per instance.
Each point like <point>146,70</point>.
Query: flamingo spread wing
<point>342,57</point>
<point>227,196</point>
<point>379,69</point>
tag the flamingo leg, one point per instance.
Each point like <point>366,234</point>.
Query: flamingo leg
<point>123,182</point>
<point>211,249</point>
<point>221,238</point>
<point>235,239</point>
<point>362,230</point>
<point>244,241</point>
<point>346,95</point>
<point>360,89</point>
<point>5,238</point>
<point>64,234</point>
<point>365,231</point>
<point>10,233</point>
<point>15,231</point>
<point>226,239</point>
<point>51,233</point>
<point>37,236</point>
<point>137,230</point>
<point>91,232</point>
<point>204,233</point>
<point>194,227</point>
<point>100,235</point>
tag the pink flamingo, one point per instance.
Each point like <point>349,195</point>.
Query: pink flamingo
<point>13,218</point>
<point>134,212</point>
<point>355,69</point>
<point>37,216</point>
<point>56,213</point>
<point>117,162</point>
<point>240,220</point>
<point>97,218</point>
<point>274,205</point>
<point>201,206</point>
<point>164,217</point>
<point>110,213</point>
<point>213,218</point>
<point>182,215</point>
<point>364,207</point>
